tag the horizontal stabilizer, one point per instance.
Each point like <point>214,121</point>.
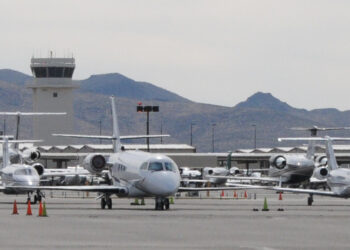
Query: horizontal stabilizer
<point>21,141</point>
<point>314,139</point>
<point>31,113</point>
<point>319,129</point>
<point>108,137</point>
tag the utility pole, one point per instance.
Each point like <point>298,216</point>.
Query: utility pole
<point>100,123</point>
<point>191,134</point>
<point>212,136</point>
<point>254,125</point>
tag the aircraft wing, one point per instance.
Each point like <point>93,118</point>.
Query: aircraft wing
<point>291,190</point>
<point>195,181</point>
<point>189,189</point>
<point>64,172</point>
<point>85,188</point>
<point>270,179</point>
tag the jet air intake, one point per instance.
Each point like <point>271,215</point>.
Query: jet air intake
<point>321,160</point>
<point>94,163</point>
<point>278,162</point>
<point>39,168</point>
<point>321,173</point>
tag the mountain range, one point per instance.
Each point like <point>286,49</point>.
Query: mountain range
<point>232,126</point>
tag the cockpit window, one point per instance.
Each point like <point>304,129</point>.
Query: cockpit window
<point>144,166</point>
<point>169,166</point>
<point>23,171</point>
<point>155,166</point>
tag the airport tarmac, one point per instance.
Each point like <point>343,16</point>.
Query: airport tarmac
<point>76,223</point>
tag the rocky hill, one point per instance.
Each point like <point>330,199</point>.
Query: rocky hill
<point>233,125</point>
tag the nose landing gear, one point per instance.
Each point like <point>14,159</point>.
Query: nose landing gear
<point>162,203</point>
<point>310,200</point>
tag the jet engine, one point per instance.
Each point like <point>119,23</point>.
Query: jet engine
<point>39,168</point>
<point>234,170</point>
<point>278,161</point>
<point>94,163</point>
<point>321,160</point>
<point>321,173</point>
<point>31,154</point>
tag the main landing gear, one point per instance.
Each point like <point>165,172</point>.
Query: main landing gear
<point>310,200</point>
<point>106,200</point>
<point>162,203</point>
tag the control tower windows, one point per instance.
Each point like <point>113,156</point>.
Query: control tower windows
<point>55,72</point>
<point>40,72</point>
<point>68,72</point>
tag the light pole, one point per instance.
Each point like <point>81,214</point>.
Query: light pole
<point>147,110</point>
<point>212,136</point>
<point>100,123</point>
<point>254,125</point>
<point>191,133</point>
<point>161,130</point>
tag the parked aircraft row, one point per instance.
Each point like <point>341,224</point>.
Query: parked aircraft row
<point>143,174</point>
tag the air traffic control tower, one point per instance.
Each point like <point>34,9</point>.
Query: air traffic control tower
<point>53,92</point>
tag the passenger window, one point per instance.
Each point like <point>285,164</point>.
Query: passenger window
<point>155,166</point>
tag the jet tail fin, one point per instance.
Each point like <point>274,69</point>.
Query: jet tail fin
<point>18,119</point>
<point>332,162</point>
<point>310,153</point>
<point>116,134</point>
<point>5,152</point>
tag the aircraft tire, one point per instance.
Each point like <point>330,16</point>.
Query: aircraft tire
<point>109,203</point>
<point>35,199</point>
<point>103,203</point>
<point>166,204</point>
<point>309,200</point>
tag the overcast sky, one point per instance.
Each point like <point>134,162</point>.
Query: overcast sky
<point>217,52</point>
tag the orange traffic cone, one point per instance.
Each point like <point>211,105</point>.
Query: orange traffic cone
<point>40,209</point>
<point>15,211</point>
<point>222,193</point>
<point>29,209</point>
<point>234,194</point>
<point>280,197</point>
<point>245,195</point>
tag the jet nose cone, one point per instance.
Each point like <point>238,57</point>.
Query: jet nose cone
<point>162,183</point>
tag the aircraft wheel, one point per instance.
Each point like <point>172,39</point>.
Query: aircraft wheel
<point>109,203</point>
<point>159,204</point>
<point>309,201</point>
<point>103,203</point>
<point>35,199</point>
<point>166,204</point>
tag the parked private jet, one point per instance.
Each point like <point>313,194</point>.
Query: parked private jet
<point>338,179</point>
